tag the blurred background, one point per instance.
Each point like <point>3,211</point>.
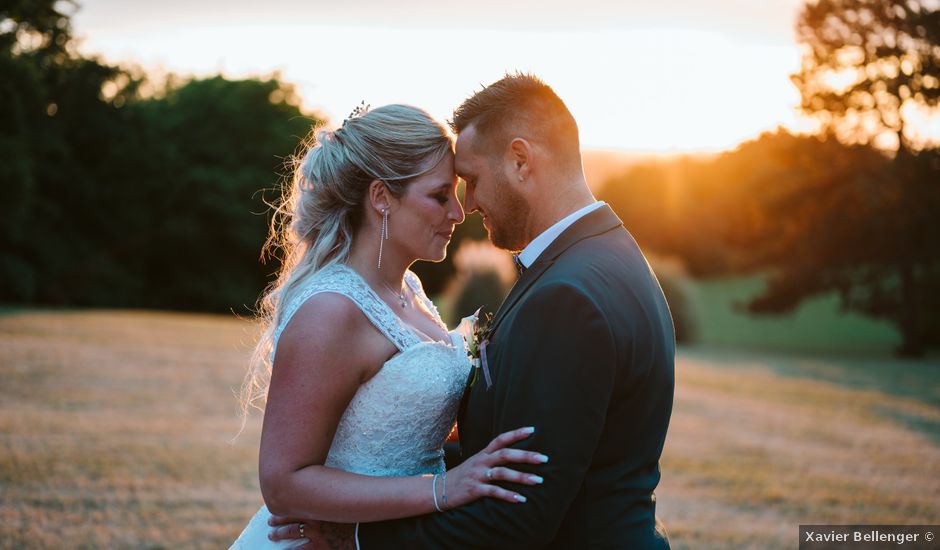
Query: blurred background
<point>779,163</point>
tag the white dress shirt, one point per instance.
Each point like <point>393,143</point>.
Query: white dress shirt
<point>538,245</point>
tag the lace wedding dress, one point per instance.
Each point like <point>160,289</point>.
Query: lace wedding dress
<point>397,422</point>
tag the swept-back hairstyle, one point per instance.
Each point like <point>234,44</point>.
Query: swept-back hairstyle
<point>520,105</point>
<point>323,206</point>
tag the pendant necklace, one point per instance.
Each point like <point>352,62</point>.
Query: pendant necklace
<point>400,295</point>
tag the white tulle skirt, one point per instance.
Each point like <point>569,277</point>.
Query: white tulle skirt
<point>255,535</point>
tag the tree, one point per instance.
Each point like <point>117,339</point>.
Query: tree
<point>868,67</point>
<point>56,130</point>
<point>114,199</point>
<point>815,215</point>
<point>859,220</point>
<point>38,26</point>
<point>833,221</point>
<point>215,147</point>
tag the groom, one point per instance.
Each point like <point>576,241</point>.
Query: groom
<point>582,348</point>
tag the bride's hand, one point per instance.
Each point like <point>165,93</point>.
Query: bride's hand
<point>319,534</point>
<point>474,478</point>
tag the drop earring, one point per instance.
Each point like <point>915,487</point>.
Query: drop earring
<point>383,234</point>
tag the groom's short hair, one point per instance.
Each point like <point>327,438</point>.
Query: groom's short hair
<point>520,105</point>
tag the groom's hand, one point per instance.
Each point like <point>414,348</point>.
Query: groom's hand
<point>320,534</point>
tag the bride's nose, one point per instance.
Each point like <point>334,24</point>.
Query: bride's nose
<point>455,211</point>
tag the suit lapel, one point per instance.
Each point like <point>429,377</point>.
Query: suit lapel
<point>599,221</point>
<point>525,281</point>
<point>594,223</point>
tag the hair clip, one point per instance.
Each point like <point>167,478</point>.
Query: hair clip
<point>360,110</point>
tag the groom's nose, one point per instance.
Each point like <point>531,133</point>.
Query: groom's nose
<point>469,202</point>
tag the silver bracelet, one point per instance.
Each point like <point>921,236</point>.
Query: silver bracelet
<point>434,492</point>
<point>444,489</point>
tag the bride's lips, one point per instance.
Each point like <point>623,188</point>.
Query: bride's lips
<point>446,234</point>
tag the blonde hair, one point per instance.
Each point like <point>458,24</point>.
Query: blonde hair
<point>323,205</point>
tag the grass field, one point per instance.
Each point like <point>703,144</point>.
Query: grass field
<point>116,429</point>
<point>817,325</point>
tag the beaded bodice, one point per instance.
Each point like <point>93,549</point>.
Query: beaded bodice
<point>397,421</point>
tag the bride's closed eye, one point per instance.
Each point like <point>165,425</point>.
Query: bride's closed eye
<point>442,194</point>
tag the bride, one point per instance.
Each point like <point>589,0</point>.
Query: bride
<point>362,378</point>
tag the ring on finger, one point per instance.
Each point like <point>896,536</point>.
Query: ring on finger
<point>489,473</point>
<point>301,527</point>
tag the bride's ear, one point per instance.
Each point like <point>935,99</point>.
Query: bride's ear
<point>379,196</point>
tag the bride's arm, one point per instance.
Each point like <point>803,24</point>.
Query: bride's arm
<point>327,350</point>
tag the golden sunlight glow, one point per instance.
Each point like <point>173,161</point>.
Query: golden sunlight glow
<point>657,90</point>
<point>672,76</point>
<point>923,124</point>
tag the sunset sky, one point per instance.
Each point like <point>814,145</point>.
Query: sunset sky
<point>643,76</point>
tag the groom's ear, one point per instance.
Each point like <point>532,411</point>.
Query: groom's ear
<point>520,155</point>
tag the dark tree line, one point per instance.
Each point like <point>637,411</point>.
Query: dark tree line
<point>113,198</point>
<point>817,215</point>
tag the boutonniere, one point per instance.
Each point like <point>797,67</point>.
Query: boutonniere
<point>474,330</point>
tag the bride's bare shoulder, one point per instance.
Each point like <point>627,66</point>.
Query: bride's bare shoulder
<point>329,324</point>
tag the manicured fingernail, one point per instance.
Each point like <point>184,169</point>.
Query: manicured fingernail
<point>529,430</point>
<point>536,479</point>
<point>543,458</point>
<point>519,498</point>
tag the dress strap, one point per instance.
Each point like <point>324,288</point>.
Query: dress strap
<point>340,279</point>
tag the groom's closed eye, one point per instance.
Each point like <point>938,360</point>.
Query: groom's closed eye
<point>469,181</point>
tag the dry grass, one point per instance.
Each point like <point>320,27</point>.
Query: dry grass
<point>116,428</point>
<point>751,454</point>
<point>115,431</point>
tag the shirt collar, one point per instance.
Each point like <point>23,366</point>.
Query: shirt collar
<point>538,245</point>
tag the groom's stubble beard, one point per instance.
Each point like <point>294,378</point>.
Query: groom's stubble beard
<point>507,221</point>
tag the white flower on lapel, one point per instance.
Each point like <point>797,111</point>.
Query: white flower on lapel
<point>474,331</point>
<point>467,326</point>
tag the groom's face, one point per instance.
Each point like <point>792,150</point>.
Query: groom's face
<point>490,192</point>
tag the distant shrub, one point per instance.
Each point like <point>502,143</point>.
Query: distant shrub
<point>479,290</point>
<point>484,276</point>
<point>672,279</point>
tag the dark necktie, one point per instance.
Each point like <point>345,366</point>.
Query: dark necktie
<point>520,267</point>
